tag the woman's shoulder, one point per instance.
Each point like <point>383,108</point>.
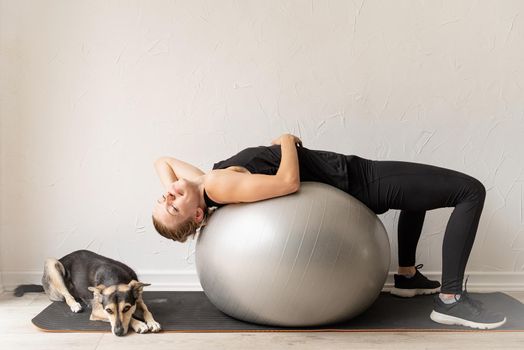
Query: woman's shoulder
<point>219,183</point>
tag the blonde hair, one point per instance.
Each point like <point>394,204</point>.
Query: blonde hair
<point>183,231</point>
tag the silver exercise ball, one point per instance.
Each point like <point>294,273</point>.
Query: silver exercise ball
<point>314,257</point>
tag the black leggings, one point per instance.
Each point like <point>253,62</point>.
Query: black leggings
<point>415,188</point>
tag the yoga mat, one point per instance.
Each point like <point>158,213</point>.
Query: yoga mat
<point>193,312</point>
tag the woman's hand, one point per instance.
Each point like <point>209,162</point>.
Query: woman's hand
<point>295,139</point>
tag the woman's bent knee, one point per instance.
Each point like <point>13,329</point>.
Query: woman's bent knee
<point>478,190</point>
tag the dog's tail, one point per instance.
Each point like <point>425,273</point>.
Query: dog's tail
<point>28,288</point>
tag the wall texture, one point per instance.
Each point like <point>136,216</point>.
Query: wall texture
<point>93,91</point>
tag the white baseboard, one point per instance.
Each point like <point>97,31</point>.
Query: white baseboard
<point>188,280</point>
<point>160,280</point>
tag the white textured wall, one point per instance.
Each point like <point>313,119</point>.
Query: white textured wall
<point>93,91</point>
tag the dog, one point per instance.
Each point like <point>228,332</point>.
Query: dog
<point>109,287</point>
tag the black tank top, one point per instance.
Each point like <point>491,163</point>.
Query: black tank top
<point>314,165</point>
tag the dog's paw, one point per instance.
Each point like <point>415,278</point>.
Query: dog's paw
<point>140,327</point>
<point>154,326</point>
<point>76,307</point>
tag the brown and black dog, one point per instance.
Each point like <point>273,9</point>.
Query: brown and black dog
<point>110,287</point>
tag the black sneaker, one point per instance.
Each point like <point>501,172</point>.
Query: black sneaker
<point>416,285</point>
<point>465,312</point>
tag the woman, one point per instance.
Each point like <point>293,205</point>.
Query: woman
<point>263,172</point>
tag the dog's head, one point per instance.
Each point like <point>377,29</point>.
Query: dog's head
<point>118,302</point>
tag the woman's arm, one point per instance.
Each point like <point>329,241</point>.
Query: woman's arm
<point>226,186</point>
<point>170,169</point>
<point>289,168</point>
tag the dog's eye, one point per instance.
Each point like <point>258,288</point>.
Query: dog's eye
<point>109,311</point>
<point>126,309</point>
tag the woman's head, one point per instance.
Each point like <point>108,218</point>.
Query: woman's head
<point>180,211</point>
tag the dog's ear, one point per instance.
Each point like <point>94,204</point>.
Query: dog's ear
<point>137,287</point>
<point>97,292</point>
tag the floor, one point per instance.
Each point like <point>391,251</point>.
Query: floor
<point>17,332</point>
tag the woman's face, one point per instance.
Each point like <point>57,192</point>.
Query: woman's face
<point>178,203</point>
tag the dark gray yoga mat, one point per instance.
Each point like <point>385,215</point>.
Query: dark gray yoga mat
<point>193,312</point>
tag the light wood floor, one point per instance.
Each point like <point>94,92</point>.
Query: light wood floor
<point>18,333</point>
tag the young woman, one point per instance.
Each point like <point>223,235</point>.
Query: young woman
<point>263,172</point>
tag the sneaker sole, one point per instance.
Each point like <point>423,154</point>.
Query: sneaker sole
<point>409,293</point>
<point>451,320</point>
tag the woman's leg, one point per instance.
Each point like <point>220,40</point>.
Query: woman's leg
<point>415,188</point>
<point>410,224</point>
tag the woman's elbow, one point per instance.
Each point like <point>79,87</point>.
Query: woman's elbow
<point>294,186</point>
